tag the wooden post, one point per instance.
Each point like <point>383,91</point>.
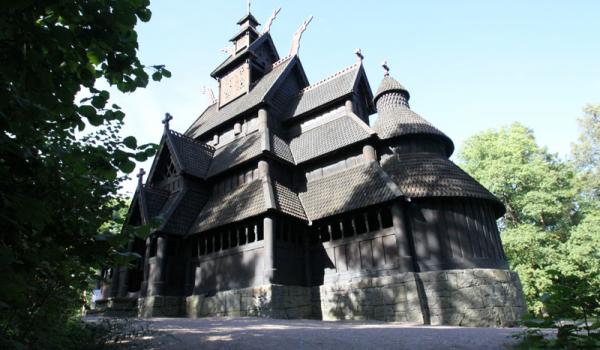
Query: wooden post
<point>269,248</point>
<point>157,281</point>
<point>144,289</point>
<point>402,239</point>
<point>369,153</point>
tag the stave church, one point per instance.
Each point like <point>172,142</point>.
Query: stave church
<point>283,200</point>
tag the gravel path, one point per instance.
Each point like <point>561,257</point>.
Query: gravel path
<point>266,334</point>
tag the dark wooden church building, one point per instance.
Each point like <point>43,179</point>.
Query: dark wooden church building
<point>282,200</point>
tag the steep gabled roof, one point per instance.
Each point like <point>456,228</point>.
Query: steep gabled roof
<point>195,157</point>
<point>433,175</point>
<point>327,90</point>
<point>353,188</point>
<point>213,116</point>
<point>189,156</point>
<point>264,39</point>
<point>329,137</point>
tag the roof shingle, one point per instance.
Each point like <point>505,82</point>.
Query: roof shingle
<point>185,212</point>
<point>241,203</point>
<point>194,156</point>
<point>432,175</point>
<point>327,90</point>
<point>287,201</point>
<point>327,138</point>
<point>213,116</point>
<point>236,152</point>
<point>350,189</point>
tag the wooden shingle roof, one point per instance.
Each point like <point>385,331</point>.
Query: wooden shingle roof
<point>329,137</point>
<point>184,212</point>
<point>213,117</point>
<point>244,202</point>
<point>195,157</point>
<point>329,89</point>
<point>389,84</point>
<point>432,175</point>
<point>241,203</point>
<point>350,189</point>
<point>237,152</point>
<point>401,120</point>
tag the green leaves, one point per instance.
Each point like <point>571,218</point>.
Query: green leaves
<point>60,188</point>
<point>130,142</point>
<point>551,234</point>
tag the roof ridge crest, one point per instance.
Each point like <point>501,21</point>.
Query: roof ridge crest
<point>326,79</point>
<point>187,138</point>
<point>281,60</point>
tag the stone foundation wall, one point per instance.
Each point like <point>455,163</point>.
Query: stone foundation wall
<point>474,297</point>
<point>275,301</point>
<point>160,306</point>
<point>389,298</point>
<point>121,307</point>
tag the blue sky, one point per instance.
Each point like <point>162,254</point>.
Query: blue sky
<point>469,65</point>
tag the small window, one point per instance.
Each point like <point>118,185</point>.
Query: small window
<point>259,230</point>
<point>251,233</point>
<point>225,239</point>
<point>201,246</point>
<point>347,227</point>
<point>386,217</point>
<point>218,243</point>
<point>336,232</point>
<point>324,233</point>
<point>237,128</point>
<point>373,221</point>
<point>360,224</point>
<point>241,231</point>
<point>210,240</point>
<point>233,242</point>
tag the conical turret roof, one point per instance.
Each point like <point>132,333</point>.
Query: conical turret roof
<point>396,119</point>
<point>389,84</point>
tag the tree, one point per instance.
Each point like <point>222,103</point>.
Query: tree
<point>586,153</point>
<point>546,229</point>
<point>535,186</point>
<point>58,188</point>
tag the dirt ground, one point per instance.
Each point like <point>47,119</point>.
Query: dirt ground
<point>265,334</point>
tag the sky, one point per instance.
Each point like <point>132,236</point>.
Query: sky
<point>469,65</point>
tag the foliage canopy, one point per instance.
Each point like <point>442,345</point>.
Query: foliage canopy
<point>58,187</point>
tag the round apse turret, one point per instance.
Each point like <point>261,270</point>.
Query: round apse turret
<point>396,121</point>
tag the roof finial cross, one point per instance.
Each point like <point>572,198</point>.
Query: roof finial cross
<point>168,118</point>
<point>386,68</point>
<point>359,55</point>
<point>140,176</point>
